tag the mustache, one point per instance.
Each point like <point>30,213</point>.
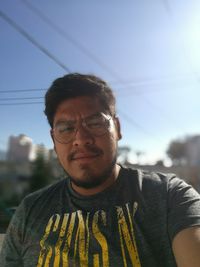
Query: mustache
<point>89,148</point>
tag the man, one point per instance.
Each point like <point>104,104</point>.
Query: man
<point>103,214</point>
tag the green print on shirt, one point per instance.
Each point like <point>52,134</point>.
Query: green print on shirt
<point>67,239</point>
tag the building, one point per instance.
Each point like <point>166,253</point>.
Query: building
<point>19,148</point>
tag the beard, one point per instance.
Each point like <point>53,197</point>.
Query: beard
<point>92,180</point>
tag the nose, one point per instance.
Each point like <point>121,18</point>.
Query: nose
<point>83,137</point>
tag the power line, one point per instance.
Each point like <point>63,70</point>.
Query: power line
<point>70,39</point>
<point>162,114</point>
<point>24,90</point>
<point>125,116</point>
<point>132,122</point>
<point>44,50</point>
<point>20,98</point>
<point>140,92</point>
<point>160,111</point>
<point>150,80</point>
<point>125,85</point>
<point>24,103</point>
<point>32,40</point>
<point>169,11</point>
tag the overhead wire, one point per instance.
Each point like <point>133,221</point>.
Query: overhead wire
<point>20,30</point>
<point>163,114</point>
<point>169,11</point>
<point>20,98</point>
<point>19,103</point>
<point>125,85</point>
<point>44,50</point>
<point>138,126</point>
<point>24,90</point>
<point>71,39</point>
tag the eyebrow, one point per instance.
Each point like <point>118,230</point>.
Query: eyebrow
<point>74,121</point>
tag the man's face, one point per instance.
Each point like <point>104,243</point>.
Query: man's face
<point>88,159</point>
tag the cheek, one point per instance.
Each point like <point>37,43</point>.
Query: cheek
<point>110,146</point>
<point>62,153</point>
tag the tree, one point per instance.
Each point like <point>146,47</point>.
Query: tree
<point>41,173</point>
<point>177,152</point>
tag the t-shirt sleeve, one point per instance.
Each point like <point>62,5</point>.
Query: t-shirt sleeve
<point>183,206</point>
<point>11,252</point>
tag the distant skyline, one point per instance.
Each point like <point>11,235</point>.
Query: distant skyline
<point>148,51</point>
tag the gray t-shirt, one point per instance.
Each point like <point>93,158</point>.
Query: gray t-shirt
<point>132,223</point>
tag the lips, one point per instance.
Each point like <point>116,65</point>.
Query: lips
<point>79,156</point>
<point>87,154</point>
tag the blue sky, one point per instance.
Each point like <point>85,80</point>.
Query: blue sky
<point>148,51</point>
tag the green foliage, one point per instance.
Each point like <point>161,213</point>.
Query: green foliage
<point>41,174</point>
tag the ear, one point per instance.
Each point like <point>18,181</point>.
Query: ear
<point>51,134</point>
<point>118,128</point>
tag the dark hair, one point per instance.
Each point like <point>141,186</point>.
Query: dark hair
<point>74,85</point>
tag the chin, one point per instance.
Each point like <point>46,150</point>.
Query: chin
<point>90,178</point>
<point>88,183</point>
<point>87,178</point>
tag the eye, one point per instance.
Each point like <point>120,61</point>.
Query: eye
<point>95,123</point>
<point>64,128</point>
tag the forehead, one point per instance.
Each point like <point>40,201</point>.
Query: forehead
<point>82,106</point>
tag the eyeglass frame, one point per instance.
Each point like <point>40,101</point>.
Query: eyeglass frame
<point>84,125</point>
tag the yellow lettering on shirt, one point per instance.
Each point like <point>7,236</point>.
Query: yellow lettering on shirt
<point>78,239</point>
<point>127,237</point>
<point>101,240</point>
<point>82,240</point>
<point>46,249</point>
<point>65,252</point>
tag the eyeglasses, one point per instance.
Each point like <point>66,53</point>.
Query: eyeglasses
<point>96,125</point>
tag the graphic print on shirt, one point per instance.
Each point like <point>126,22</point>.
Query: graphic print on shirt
<point>81,239</point>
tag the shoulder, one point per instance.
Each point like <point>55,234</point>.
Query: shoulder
<point>37,203</point>
<point>156,184</point>
<point>44,195</point>
<point>150,178</point>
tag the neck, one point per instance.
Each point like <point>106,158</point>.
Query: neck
<point>95,190</point>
